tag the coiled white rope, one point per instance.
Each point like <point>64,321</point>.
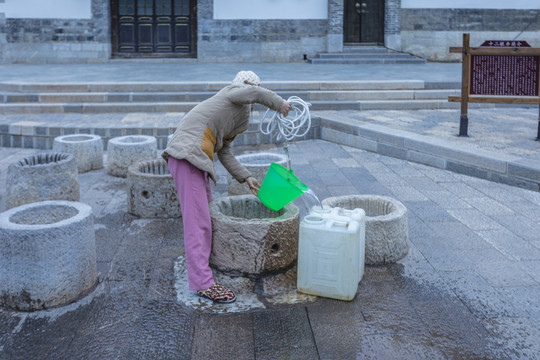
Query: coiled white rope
<point>288,127</point>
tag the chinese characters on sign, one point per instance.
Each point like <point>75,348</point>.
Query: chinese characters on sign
<point>502,43</point>
<point>505,74</point>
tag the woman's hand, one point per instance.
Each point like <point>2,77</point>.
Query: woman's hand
<point>253,184</point>
<point>285,108</point>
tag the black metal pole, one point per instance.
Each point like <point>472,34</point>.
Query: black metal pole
<point>464,125</point>
<point>465,83</point>
<point>538,133</point>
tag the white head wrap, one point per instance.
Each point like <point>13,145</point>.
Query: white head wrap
<point>246,78</point>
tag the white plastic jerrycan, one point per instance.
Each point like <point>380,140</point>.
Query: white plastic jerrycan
<point>358,215</point>
<point>328,257</point>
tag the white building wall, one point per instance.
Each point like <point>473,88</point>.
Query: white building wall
<point>55,31</point>
<point>47,9</point>
<point>429,28</point>
<point>270,9</point>
<point>471,4</point>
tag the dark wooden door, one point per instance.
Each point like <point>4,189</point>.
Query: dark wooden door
<point>156,27</point>
<point>363,21</point>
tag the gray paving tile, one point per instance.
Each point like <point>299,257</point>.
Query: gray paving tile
<point>488,206</point>
<point>333,150</point>
<point>335,190</point>
<point>372,187</point>
<point>532,196</point>
<point>509,244</point>
<point>9,327</point>
<point>475,219</point>
<point>221,337</point>
<point>162,278</point>
<point>461,190</point>
<point>436,174</point>
<point>107,329</point>
<point>481,257</point>
<point>54,338</point>
<point>514,338</point>
<point>163,331</point>
<point>324,165</point>
<point>419,279</point>
<point>503,274</point>
<point>524,208</point>
<point>478,295</point>
<point>532,268</point>
<point>357,174</point>
<point>345,163</point>
<point>525,299</point>
<point>397,346</point>
<point>389,178</point>
<point>377,169</point>
<point>459,333</point>
<point>406,193</point>
<point>335,179</point>
<point>428,211</point>
<point>284,333</point>
<point>336,327</point>
<point>386,309</point>
<point>520,225</point>
<point>423,183</point>
<point>458,236</point>
<point>446,200</point>
<point>442,257</point>
<point>109,233</point>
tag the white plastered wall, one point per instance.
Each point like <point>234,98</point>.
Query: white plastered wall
<point>270,9</point>
<point>434,45</point>
<point>471,4</point>
<point>47,9</point>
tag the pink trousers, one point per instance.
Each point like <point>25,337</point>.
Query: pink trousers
<point>194,193</point>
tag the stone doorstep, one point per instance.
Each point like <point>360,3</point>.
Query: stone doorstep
<point>367,61</point>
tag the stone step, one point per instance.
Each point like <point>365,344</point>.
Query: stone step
<point>137,87</point>
<point>160,97</point>
<point>358,54</point>
<point>150,107</point>
<point>365,49</point>
<point>344,55</point>
<point>380,60</point>
<point>98,97</point>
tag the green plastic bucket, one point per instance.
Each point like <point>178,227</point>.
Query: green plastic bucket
<point>280,187</point>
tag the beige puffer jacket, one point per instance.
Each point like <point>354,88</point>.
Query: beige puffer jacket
<point>212,125</point>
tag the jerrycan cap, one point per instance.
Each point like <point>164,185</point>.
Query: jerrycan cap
<point>313,219</point>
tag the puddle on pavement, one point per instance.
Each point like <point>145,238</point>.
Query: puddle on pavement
<point>251,294</point>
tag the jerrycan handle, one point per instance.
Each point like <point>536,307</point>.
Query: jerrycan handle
<point>337,223</point>
<point>349,225</point>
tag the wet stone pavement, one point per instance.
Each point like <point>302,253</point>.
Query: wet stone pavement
<point>468,289</point>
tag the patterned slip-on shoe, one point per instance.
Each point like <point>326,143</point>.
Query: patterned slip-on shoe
<point>218,293</point>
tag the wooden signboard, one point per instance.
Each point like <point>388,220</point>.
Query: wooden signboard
<point>498,72</point>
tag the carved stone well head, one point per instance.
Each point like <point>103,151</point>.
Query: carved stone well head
<point>251,240</point>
